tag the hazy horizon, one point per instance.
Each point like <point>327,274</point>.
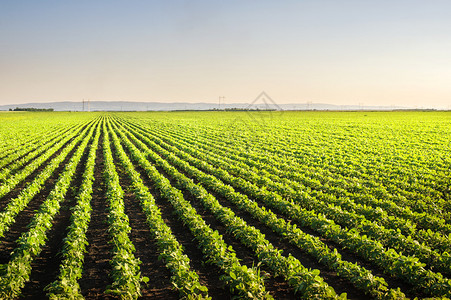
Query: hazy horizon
<point>252,103</point>
<point>342,53</point>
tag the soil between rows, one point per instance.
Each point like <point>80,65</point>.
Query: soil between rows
<point>339,284</point>
<point>276,286</point>
<point>97,268</point>
<point>96,265</point>
<point>21,185</point>
<point>208,274</point>
<point>8,242</point>
<point>34,148</point>
<point>45,267</point>
<point>159,285</point>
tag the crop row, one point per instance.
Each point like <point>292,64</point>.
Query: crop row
<point>362,201</point>
<point>300,182</point>
<point>351,219</point>
<point>16,273</point>
<point>395,264</point>
<point>305,282</point>
<point>14,180</point>
<point>243,281</point>
<point>24,153</point>
<point>125,267</point>
<point>359,276</point>
<point>327,194</point>
<point>322,180</point>
<point>16,205</point>
<point>70,270</point>
<point>184,280</point>
<point>10,146</point>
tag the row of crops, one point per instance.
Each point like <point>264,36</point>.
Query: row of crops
<point>248,205</point>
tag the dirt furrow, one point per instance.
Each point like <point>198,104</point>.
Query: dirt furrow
<point>208,274</point>
<point>45,267</point>
<point>8,242</point>
<point>159,285</point>
<point>96,266</point>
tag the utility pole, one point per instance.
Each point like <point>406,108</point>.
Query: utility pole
<point>219,103</point>
<point>83,104</point>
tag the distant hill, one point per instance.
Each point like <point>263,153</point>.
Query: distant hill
<point>161,106</point>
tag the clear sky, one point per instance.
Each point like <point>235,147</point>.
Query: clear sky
<point>386,52</point>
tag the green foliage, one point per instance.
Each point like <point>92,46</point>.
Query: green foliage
<point>16,273</point>
<point>31,109</point>
<point>376,184</point>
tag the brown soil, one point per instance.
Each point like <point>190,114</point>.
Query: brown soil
<point>340,285</point>
<point>8,242</point>
<point>159,285</point>
<point>96,266</point>
<point>21,185</point>
<point>208,274</point>
<point>45,268</point>
<point>28,152</point>
<point>277,287</point>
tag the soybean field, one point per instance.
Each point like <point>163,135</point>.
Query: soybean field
<point>225,205</point>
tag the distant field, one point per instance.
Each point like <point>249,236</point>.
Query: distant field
<point>169,205</point>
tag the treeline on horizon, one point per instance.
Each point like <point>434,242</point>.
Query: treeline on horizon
<point>30,109</point>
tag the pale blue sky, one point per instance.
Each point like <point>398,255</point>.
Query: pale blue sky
<point>339,52</point>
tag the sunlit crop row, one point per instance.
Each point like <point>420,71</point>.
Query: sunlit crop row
<point>365,196</point>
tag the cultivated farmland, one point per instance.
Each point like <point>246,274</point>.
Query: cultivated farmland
<point>247,205</point>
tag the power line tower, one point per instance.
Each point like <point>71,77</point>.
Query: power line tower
<point>83,101</point>
<point>219,102</point>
